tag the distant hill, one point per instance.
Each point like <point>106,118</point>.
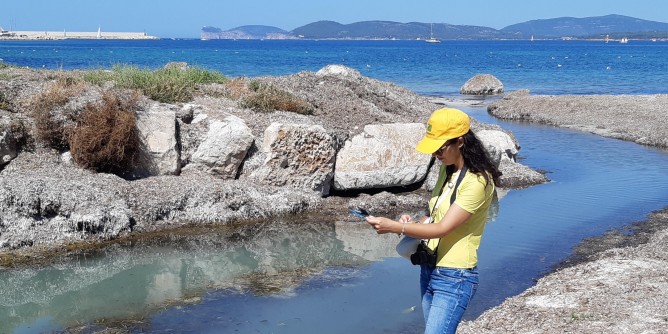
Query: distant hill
<point>393,30</point>
<point>246,32</point>
<point>588,27</point>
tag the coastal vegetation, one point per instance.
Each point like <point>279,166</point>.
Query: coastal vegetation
<point>52,128</point>
<point>168,85</point>
<point>266,98</point>
<point>106,138</point>
<point>93,114</point>
<point>4,102</point>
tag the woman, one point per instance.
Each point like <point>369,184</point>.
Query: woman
<point>454,230</point>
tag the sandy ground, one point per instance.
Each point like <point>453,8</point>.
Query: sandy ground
<point>616,283</point>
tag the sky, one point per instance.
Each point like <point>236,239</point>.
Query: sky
<point>185,18</point>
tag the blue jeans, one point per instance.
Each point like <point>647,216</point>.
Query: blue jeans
<point>446,293</point>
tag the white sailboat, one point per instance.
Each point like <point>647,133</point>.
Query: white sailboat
<point>99,32</point>
<point>432,39</point>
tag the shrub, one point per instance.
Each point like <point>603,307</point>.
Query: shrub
<point>254,85</point>
<point>169,85</point>
<point>268,98</point>
<point>5,103</point>
<point>106,138</point>
<point>21,133</point>
<point>236,88</point>
<point>51,125</point>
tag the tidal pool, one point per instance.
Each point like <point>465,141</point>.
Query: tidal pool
<point>306,274</point>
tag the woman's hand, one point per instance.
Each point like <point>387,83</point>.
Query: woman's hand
<point>383,225</point>
<point>406,219</point>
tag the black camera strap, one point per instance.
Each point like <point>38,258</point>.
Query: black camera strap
<point>462,173</point>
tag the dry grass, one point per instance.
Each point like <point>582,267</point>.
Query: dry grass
<point>106,138</point>
<point>52,127</point>
<point>21,134</point>
<point>266,98</point>
<point>5,103</point>
<point>237,88</point>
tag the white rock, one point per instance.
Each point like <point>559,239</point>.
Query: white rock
<point>157,129</point>
<point>382,156</point>
<point>224,148</point>
<point>297,155</point>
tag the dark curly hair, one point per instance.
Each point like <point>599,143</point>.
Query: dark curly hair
<point>476,159</point>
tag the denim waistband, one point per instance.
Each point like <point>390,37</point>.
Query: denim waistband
<point>463,269</point>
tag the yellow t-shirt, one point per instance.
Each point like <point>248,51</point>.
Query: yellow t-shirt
<point>459,248</point>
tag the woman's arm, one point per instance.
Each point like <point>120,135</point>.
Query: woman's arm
<point>452,219</point>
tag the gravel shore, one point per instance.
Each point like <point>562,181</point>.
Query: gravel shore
<point>617,283</point>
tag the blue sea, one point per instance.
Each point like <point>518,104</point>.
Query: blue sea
<point>597,184</point>
<point>543,67</point>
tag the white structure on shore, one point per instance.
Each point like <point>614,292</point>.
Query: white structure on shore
<point>54,35</point>
<point>5,33</point>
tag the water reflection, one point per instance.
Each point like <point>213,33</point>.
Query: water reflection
<point>132,280</point>
<point>334,276</point>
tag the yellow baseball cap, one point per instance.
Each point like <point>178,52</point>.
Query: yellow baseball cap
<point>443,125</point>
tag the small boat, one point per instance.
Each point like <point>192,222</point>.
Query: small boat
<point>624,40</point>
<point>432,39</point>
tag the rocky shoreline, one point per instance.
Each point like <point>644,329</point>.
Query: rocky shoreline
<point>44,192</point>
<point>212,159</point>
<point>616,283</point>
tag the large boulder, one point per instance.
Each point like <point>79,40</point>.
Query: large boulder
<point>157,129</point>
<point>297,155</point>
<point>224,147</point>
<point>382,156</point>
<point>482,84</point>
<point>503,151</point>
<point>499,145</point>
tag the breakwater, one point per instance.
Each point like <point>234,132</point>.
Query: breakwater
<point>59,35</point>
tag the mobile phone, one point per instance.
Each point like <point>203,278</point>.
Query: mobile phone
<point>359,212</point>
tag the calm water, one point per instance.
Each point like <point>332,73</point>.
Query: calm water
<point>337,276</point>
<point>546,67</point>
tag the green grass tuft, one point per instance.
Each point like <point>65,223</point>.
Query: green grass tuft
<point>166,85</point>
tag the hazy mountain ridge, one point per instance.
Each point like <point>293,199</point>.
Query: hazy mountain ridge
<point>589,27</point>
<point>579,27</point>
<point>246,32</point>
